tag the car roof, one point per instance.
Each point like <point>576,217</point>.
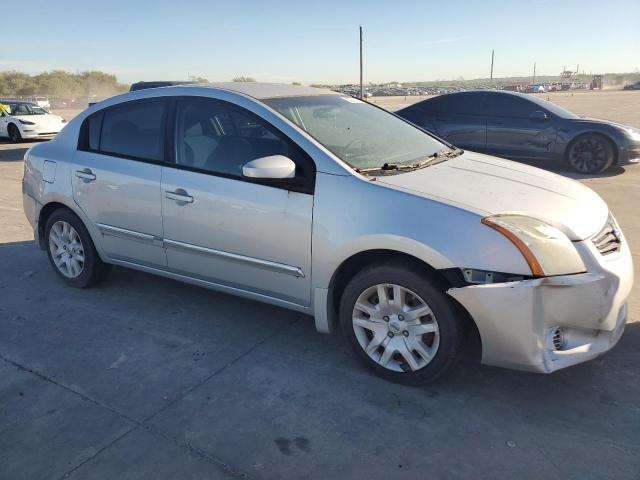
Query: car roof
<point>157,83</point>
<point>262,91</point>
<point>12,100</point>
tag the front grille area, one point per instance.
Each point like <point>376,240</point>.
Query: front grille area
<point>557,340</point>
<point>607,241</point>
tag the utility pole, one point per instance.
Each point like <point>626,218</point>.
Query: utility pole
<point>533,82</point>
<point>492,65</point>
<point>361,90</point>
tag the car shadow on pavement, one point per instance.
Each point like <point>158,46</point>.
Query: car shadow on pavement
<point>12,152</point>
<point>565,170</point>
<point>190,363</point>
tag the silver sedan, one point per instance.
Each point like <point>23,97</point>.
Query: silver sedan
<point>321,203</point>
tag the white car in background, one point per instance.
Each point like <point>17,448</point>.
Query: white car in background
<point>40,101</point>
<point>20,120</point>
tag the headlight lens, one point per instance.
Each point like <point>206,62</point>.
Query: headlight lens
<point>26,122</point>
<point>633,134</point>
<point>546,249</point>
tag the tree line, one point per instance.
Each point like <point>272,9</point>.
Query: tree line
<point>59,83</point>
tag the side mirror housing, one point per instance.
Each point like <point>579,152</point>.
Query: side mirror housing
<point>538,116</point>
<point>271,167</point>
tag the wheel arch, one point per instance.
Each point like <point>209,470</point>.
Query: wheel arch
<point>43,216</point>
<point>444,279</point>
<point>13,124</point>
<point>56,204</point>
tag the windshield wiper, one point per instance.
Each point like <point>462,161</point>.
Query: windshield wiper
<point>429,160</point>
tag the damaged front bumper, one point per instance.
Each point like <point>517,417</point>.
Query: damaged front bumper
<point>546,324</point>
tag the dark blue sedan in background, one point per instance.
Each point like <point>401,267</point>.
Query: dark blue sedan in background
<point>523,127</point>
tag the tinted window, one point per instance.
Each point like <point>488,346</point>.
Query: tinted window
<point>220,138</point>
<point>456,103</point>
<point>93,133</point>
<point>134,130</point>
<point>511,106</point>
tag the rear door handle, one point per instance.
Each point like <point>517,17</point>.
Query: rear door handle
<point>179,195</point>
<point>86,174</point>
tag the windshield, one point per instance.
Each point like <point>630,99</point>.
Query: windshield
<point>360,134</point>
<point>26,109</point>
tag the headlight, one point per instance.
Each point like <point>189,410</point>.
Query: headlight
<point>633,134</point>
<point>546,249</point>
<point>26,122</point>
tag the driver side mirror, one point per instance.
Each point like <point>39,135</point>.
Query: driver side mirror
<point>272,167</point>
<point>538,116</point>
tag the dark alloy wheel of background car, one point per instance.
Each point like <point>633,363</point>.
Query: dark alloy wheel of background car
<point>524,127</point>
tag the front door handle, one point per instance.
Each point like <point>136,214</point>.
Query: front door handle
<point>86,174</point>
<point>179,195</point>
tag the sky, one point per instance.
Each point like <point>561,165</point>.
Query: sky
<point>317,41</point>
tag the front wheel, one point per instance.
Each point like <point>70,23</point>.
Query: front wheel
<point>590,154</point>
<point>400,324</point>
<point>14,134</point>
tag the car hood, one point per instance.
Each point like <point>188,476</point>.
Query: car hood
<point>488,185</point>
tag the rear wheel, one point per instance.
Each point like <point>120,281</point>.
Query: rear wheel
<point>590,153</point>
<point>400,324</point>
<point>14,133</point>
<point>71,250</point>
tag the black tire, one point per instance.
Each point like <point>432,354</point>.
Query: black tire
<point>450,321</point>
<point>94,270</point>
<point>590,153</point>
<point>14,133</point>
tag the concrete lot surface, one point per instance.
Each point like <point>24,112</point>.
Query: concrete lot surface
<point>147,378</point>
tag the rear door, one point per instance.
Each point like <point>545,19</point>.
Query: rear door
<point>116,179</point>
<point>458,118</point>
<point>514,131</point>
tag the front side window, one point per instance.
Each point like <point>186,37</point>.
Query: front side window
<point>511,106</point>
<point>358,133</point>
<point>133,130</point>
<point>220,138</point>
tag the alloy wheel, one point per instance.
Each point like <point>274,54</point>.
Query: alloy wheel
<point>66,249</point>
<point>588,155</point>
<point>395,327</point>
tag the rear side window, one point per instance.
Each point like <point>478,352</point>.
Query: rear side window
<point>131,130</point>
<point>457,103</point>
<point>134,130</point>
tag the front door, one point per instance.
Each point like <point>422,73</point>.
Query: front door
<point>514,130</point>
<point>3,122</point>
<point>116,179</point>
<point>227,229</point>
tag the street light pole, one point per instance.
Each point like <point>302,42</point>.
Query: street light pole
<point>533,82</point>
<point>492,65</point>
<point>361,90</point>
